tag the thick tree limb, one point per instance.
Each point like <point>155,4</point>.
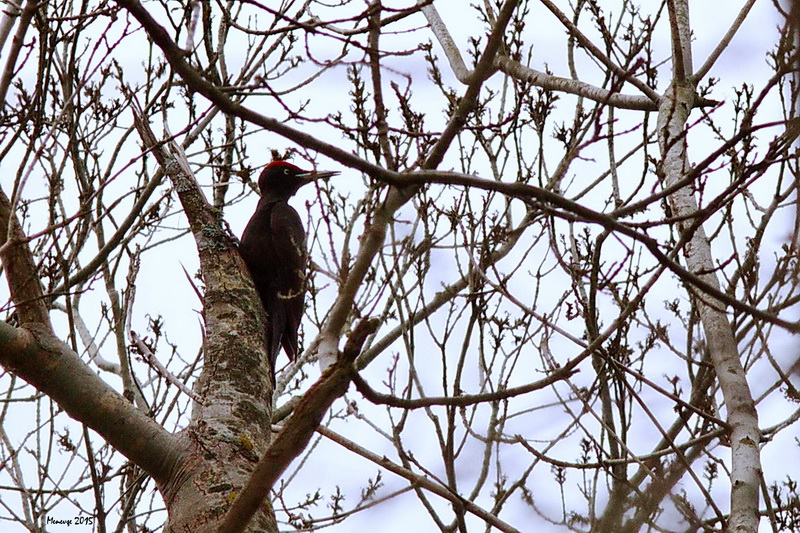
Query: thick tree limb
<point>236,358</point>
<point>33,354</point>
<point>556,83</point>
<point>587,44</point>
<point>25,17</point>
<point>745,436</point>
<point>451,52</point>
<point>21,273</point>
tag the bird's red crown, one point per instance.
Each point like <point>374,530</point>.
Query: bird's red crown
<point>285,164</point>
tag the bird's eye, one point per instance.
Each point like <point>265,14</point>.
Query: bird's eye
<point>286,171</point>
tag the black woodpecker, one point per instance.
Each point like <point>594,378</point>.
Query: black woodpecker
<point>273,246</point>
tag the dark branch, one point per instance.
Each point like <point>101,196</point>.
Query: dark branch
<point>387,399</point>
<point>556,205</point>
<point>298,430</point>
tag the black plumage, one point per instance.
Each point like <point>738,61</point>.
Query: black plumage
<point>273,246</point>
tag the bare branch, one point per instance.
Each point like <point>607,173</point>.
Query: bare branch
<point>449,46</point>
<point>596,52</point>
<point>418,480</point>
<point>17,43</point>
<point>724,43</point>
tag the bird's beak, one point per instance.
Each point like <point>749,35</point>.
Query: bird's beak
<point>314,175</point>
